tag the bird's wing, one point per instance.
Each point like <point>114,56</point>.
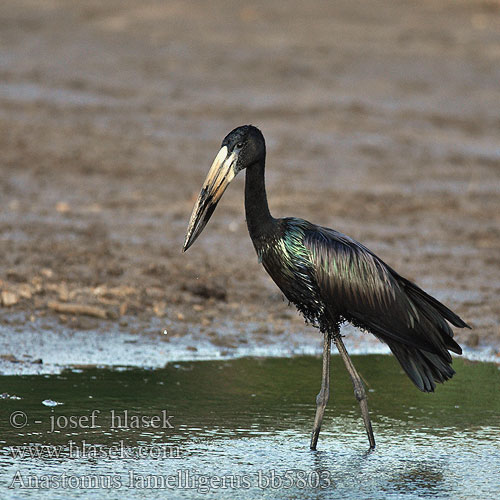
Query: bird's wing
<point>359,286</point>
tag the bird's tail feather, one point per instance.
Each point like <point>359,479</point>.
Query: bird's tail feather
<point>418,295</point>
<point>424,368</point>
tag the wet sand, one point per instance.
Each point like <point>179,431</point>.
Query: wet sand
<point>381,121</point>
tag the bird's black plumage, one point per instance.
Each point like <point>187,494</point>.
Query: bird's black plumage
<point>330,277</point>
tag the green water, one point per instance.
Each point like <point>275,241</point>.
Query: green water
<point>241,429</point>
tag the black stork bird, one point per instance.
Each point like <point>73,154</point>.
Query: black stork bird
<point>331,279</point>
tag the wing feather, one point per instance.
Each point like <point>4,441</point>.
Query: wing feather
<point>360,287</point>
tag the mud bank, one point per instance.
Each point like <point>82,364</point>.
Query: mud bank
<point>383,125</point>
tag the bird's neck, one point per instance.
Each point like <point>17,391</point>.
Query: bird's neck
<point>259,219</point>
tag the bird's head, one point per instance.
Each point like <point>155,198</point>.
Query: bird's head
<point>241,148</point>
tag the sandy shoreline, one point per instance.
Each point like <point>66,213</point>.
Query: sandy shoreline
<point>383,125</point>
<point>37,349</point>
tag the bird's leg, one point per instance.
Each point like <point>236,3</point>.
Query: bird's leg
<point>359,389</point>
<point>324,393</point>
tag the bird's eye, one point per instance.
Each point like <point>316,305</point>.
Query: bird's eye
<point>239,145</point>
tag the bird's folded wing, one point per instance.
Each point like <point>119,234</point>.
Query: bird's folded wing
<point>356,284</point>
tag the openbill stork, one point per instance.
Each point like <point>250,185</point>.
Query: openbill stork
<point>331,279</point>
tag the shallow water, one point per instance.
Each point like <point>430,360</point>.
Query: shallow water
<point>240,429</point>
